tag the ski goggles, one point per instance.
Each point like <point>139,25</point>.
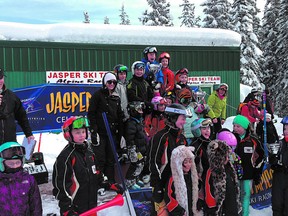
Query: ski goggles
<point>122,69</point>
<point>164,55</point>
<point>140,106</point>
<point>185,100</point>
<point>152,50</point>
<point>182,71</point>
<point>80,123</point>
<point>139,65</point>
<point>13,152</point>
<point>206,123</point>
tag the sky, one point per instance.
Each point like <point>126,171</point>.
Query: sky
<point>51,145</point>
<point>59,11</point>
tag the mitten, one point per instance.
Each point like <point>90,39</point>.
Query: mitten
<point>117,188</point>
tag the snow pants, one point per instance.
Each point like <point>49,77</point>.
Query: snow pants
<point>245,193</point>
<point>280,193</point>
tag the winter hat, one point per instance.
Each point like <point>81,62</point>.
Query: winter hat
<point>109,76</point>
<point>177,157</point>
<point>255,102</point>
<point>268,116</point>
<point>242,121</point>
<point>217,151</point>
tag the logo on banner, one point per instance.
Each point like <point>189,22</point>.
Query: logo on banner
<point>200,80</point>
<point>74,77</point>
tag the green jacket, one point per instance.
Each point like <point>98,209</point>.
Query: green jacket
<point>217,106</point>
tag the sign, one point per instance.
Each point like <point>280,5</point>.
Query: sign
<point>74,77</point>
<point>201,80</point>
<point>49,105</point>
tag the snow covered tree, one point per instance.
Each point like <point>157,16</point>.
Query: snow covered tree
<point>188,15</point>
<point>243,12</point>
<point>106,20</point>
<point>124,17</point>
<point>216,14</point>
<point>158,15</point>
<point>281,85</point>
<point>86,17</point>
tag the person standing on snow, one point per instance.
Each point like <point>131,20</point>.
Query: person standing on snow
<point>168,75</point>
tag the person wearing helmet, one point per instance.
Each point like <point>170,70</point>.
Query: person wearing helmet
<point>279,163</point>
<point>251,152</point>
<point>255,94</point>
<point>121,88</point>
<point>168,75</point>
<point>185,98</point>
<point>76,177</point>
<point>217,103</point>
<point>138,88</point>
<point>156,120</point>
<point>170,97</point>
<point>19,190</point>
<point>136,144</point>
<point>106,100</point>
<point>222,193</point>
<point>161,147</point>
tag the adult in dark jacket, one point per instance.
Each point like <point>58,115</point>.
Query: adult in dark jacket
<point>11,111</point>
<point>19,190</point>
<point>271,132</point>
<point>161,147</point>
<point>106,100</point>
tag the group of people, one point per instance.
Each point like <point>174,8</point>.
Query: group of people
<point>167,132</point>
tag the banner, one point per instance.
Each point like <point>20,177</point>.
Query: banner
<point>261,193</point>
<point>49,105</point>
<point>142,201</point>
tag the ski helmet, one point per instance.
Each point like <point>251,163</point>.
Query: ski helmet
<point>164,55</point>
<point>228,137</point>
<point>136,108</point>
<point>284,120</point>
<point>74,122</point>
<point>137,65</point>
<point>198,123</point>
<point>10,151</point>
<point>149,50</point>
<point>185,96</point>
<point>174,110</point>
<point>225,85</point>
<point>169,95</point>
<point>158,100</point>
<point>120,68</point>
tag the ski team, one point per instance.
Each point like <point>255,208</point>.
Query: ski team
<point>171,139</point>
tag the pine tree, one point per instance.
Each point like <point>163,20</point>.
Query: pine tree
<point>243,14</point>
<point>86,17</point>
<point>124,17</point>
<point>281,85</point>
<point>188,15</point>
<point>216,14</point>
<point>159,15</point>
<point>106,20</point>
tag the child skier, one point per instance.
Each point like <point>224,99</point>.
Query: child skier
<point>181,193</point>
<point>19,191</point>
<point>279,163</point>
<point>221,183</point>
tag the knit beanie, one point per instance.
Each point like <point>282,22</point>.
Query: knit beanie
<point>242,121</point>
<point>109,76</point>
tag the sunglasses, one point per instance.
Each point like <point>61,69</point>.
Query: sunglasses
<point>14,152</point>
<point>112,81</point>
<point>80,123</point>
<point>223,89</point>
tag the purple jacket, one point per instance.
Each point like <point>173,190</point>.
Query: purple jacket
<point>19,195</point>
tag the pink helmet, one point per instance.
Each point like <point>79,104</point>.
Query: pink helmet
<point>228,137</point>
<point>158,100</point>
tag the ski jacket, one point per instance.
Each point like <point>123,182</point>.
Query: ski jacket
<point>101,102</point>
<point>121,91</point>
<point>76,178</point>
<point>251,152</point>
<point>154,122</point>
<point>134,135</point>
<point>161,146</point>
<point>19,195</point>
<point>169,81</point>
<point>272,135</point>
<point>187,125</point>
<point>217,106</point>
<point>281,162</point>
<point>250,112</point>
<point>11,109</point>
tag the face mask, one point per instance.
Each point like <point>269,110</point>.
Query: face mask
<point>12,170</point>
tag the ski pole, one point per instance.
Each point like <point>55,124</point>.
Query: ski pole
<point>265,128</point>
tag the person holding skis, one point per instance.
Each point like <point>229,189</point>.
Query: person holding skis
<point>76,176</point>
<point>19,190</point>
<point>279,163</point>
<point>161,147</point>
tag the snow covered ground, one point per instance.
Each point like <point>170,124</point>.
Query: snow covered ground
<point>51,145</point>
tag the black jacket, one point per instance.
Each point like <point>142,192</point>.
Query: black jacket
<point>11,109</point>
<point>271,132</point>
<point>76,178</point>
<point>101,102</point>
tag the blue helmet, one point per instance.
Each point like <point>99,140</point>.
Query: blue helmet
<point>284,120</point>
<point>11,150</point>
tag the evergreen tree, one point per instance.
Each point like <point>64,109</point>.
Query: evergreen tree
<point>216,14</point>
<point>159,15</point>
<point>106,20</point>
<point>124,17</point>
<point>86,17</point>
<point>243,12</point>
<point>188,15</point>
<point>281,85</point>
